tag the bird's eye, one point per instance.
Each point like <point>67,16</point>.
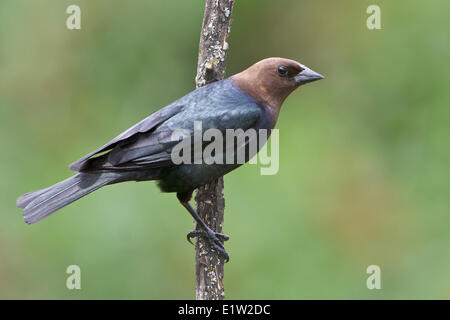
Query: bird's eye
<point>282,71</point>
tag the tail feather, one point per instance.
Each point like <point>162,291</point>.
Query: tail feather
<point>25,199</point>
<point>41,203</point>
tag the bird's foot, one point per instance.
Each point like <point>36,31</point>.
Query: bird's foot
<point>214,241</point>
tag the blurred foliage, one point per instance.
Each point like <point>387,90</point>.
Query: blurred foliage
<point>364,174</point>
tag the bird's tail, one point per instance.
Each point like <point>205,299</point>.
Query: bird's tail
<point>39,204</point>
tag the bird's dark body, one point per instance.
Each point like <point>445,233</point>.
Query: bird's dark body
<point>143,152</point>
<point>221,106</point>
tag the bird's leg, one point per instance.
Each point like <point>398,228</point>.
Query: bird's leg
<point>205,230</point>
<point>213,239</point>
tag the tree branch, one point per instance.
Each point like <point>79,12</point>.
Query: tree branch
<point>210,202</point>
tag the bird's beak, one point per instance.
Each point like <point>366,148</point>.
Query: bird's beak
<point>307,75</point>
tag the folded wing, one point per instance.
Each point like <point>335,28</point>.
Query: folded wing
<point>146,125</point>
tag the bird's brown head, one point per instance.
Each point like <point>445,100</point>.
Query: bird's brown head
<point>271,80</point>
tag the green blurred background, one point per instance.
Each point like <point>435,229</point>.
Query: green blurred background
<point>364,154</point>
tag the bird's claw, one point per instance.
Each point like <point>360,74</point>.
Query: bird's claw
<point>214,240</point>
<point>192,234</point>
<point>196,233</point>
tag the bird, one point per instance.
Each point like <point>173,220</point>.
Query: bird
<point>250,99</point>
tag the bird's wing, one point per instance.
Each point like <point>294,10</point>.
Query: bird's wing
<point>146,125</point>
<point>153,149</point>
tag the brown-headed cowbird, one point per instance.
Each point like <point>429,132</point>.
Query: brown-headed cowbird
<point>250,99</point>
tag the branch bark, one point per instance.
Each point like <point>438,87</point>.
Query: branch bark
<point>210,201</point>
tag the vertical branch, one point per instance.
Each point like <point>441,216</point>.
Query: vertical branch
<point>210,202</point>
